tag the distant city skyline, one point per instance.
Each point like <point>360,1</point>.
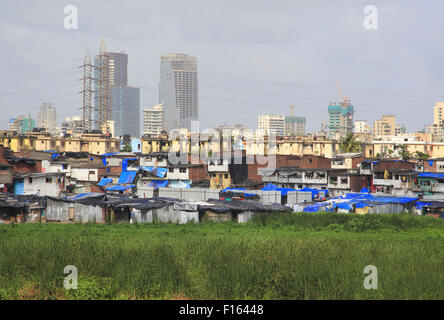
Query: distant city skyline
<point>261,61</point>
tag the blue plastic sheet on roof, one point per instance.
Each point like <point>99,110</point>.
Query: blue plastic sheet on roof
<point>431,175</point>
<point>371,198</point>
<point>343,205</point>
<point>159,172</point>
<point>361,205</point>
<point>180,184</point>
<point>106,155</point>
<point>364,190</point>
<point>125,163</point>
<point>120,188</point>
<point>104,181</point>
<point>127,177</point>
<point>233,189</point>
<point>237,189</point>
<point>284,191</point>
<point>158,183</point>
<point>270,187</point>
<point>421,204</point>
<point>84,195</point>
<point>314,191</point>
<point>54,155</point>
<point>430,163</point>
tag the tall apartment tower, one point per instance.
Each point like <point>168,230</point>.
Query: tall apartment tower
<point>281,125</point>
<point>110,70</point>
<point>340,119</point>
<point>386,126</point>
<point>47,117</point>
<point>153,120</point>
<point>178,90</point>
<point>111,90</point>
<point>126,110</point>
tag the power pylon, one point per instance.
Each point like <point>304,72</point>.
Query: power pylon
<point>87,92</point>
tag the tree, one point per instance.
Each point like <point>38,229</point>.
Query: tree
<point>421,155</point>
<point>403,152</point>
<point>127,148</point>
<point>349,144</point>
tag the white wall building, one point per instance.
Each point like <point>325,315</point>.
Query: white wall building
<point>47,117</point>
<point>153,120</point>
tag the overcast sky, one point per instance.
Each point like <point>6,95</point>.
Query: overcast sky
<point>253,56</point>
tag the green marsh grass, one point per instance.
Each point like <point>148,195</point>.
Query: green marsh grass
<point>275,256</point>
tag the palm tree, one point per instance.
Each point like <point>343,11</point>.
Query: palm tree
<point>403,152</point>
<point>349,144</point>
<point>421,155</point>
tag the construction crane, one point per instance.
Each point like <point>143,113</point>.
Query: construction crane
<point>344,98</point>
<point>292,109</point>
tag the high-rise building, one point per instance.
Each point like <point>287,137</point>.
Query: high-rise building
<point>281,125</point>
<point>386,126</point>
<point>294,126</point>
<point>340,121</point>
<point>438,113</point>
<point>436,129</point>
<point>361,126</point>
<point>126,110</point>
<point>47,117</point>
<point>115,101</point>
<point>153,120</point>
<point>72,126</point>
<point>270,123</point>
<point>178,90</point>
<point>111,70</point>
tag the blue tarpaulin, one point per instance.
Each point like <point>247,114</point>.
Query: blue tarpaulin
<point>127,177</point>
<point>105,155</point>
<point>125,163</point>
<point>104,181</point>
<point>284,191</point>
<point>180,184</point>
<point>158,183</point>
<point>54,155</point>
<point>431,175</point>
<point>120,188</point>
<point>430,163</point>
<point>420,204</point>
<point>158,172</point>
<point>270,187</point>
<point>238,189</point>
<point>364,190</point>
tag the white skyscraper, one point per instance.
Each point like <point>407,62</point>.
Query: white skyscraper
<point>178,90</point>
<point>47,117</point>
<point>153,120</point>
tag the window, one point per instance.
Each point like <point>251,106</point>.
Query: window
<point>92,172</point>
<point>171,170</point>
<point>226,175</point>
<point>48,180</point>
<point>30,180</point>
<point>183,170</point>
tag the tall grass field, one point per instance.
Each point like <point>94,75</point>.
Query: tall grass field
<point>275,256</point>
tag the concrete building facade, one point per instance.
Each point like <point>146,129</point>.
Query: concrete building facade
<point>153,120</point>
<point>178,90</point>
